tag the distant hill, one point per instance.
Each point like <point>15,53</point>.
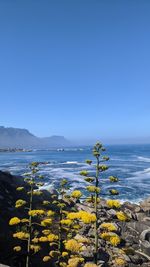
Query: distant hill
<point>22,138</point>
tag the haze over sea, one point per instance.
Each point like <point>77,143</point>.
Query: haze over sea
<point>130,163</point>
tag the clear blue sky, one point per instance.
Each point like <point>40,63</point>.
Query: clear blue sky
<point>78,68</point>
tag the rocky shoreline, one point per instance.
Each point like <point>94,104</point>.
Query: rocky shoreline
<point>135,233</point>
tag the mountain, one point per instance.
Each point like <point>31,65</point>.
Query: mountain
<point>22,138</point>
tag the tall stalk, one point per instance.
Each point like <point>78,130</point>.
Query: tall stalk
<point>96,197</point>
<point>29,226</point>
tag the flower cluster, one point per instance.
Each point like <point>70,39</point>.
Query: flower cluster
<point>34,213</point>
<point>20,188</point>
<point>14,221</point>
<point>109,226</point>
<point>35,248</point>
<point>74,262</point>
<point>89,179</point>
<point>50,213</point>
<point>121,216</point>
<point>66,222</point>
<point>37,192</point>
<point>46,258</point>
<point>17,248</point>
<point>52,237</point>
<point>119,262</point>
<point>114,192</point>
<point>72,245</point>
<point>19,203</point>
<point>46,222</point>
<point>84,216</point>
<point>91,199</point>
<point>76,194</point>
<point>113,179</point>
<point>90,264</point>
<point>93,189</point>
<point>21,235</point>
<point>84,173</point>
<point>114,239</point>
<point>112,203</point>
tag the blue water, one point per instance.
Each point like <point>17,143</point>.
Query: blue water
<point>131,163</point>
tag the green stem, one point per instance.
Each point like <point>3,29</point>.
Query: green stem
<point>96,208</point>
<point>30,226</point>
<point>60,236</point>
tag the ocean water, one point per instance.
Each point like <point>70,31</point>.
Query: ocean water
<point>130,163</point>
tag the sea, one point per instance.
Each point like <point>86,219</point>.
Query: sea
<point>130,163</point>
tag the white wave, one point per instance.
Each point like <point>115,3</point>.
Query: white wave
<point>144,159</point>
<point>72,162</point>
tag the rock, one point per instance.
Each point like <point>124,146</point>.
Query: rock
<point>138,209</point>
<point>136,259</point>
<point>103,255</point>
<point>130,214</point>
<point>111,213</point>
<point>87,253</point>
<point>51,190</point>
<point>145,241</point>
<point>145,205</point>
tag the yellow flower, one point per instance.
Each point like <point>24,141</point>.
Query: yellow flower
<point>34,164</point>
<point>37,193</point>
<point>76,226</point>
<point>34,213</point>
<point>19,203</point>
<point>119,262</point>
<point>46,232</point>
<point>36,248</point>
<point>50,213</point>
<point>93,189</point>
<point>73,215</point>
<point>82,239</point>
<point>21,235</point>
<point>112,203</point>
<point>121,216</point>
<point>105,236</point>
<point>17,248</point>
<point>24,220</point>
<point>84,173</point>
<point>63,264</point>
<point>20,188</point>
<point>66,222</point>
<point>46,222</point>
<point>109,226</point>
<point>74,262</point>
<point>46,258</point>
<point>92,199</point>
<point>43,239</point>
<point>52,237</point>
<point>14,221</point>
<point>87,217</point>
<point>72,245</point>
<point>35,240</point>
<point>113,179</point>
<point>76,194</point>
<point>113,192</point>
<point>84,216</point>
<point>45,202</point>
<point>65,254</point>
<point>115,240</point>
<point>90,264</point>
<point>54,253</point>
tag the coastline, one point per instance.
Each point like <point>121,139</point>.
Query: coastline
<point>138,214</point>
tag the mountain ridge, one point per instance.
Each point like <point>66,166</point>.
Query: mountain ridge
<point>22,138</point>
